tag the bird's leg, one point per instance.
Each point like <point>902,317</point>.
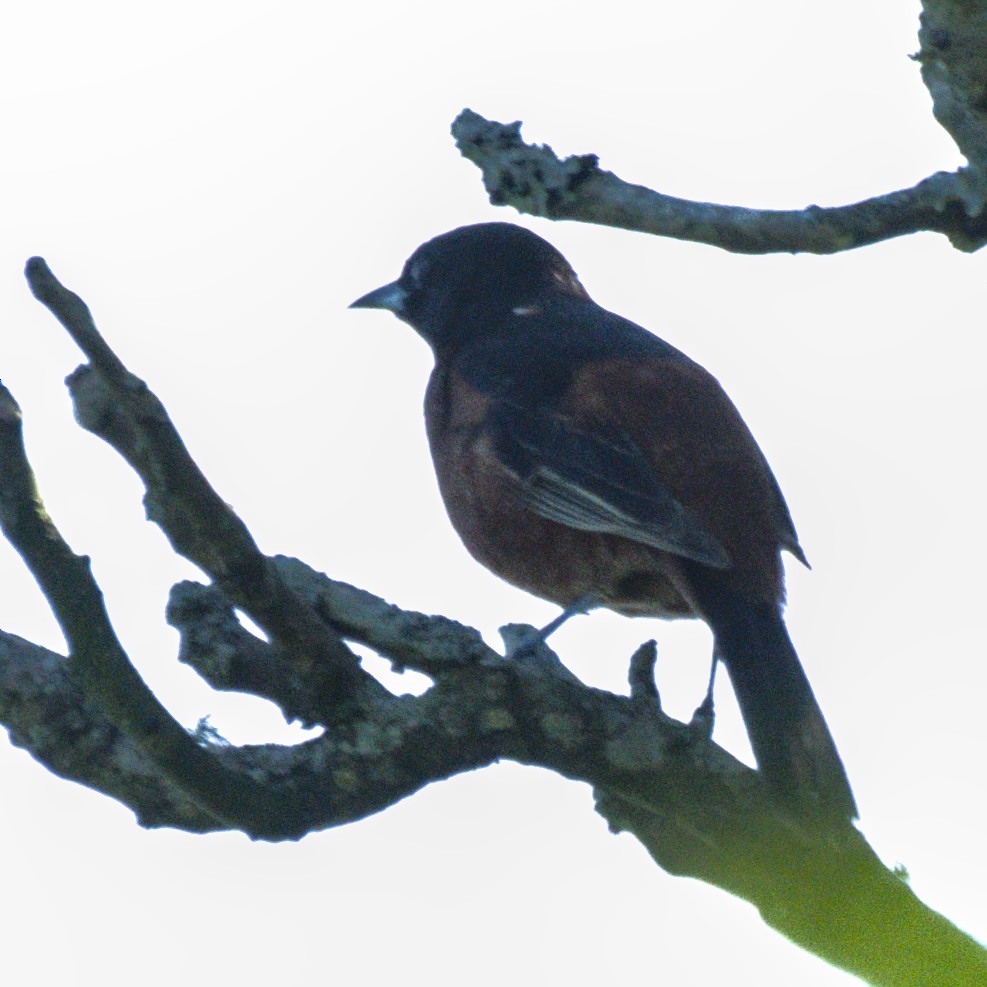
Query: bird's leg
<point>702,718</point>
<point>527,642</point>
<point>581,606</point>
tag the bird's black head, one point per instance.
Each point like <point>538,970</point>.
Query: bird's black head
<point>468,282</point>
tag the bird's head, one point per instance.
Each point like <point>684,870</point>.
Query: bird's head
<point>469,282</point>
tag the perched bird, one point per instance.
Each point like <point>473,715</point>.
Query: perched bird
<point>589,462</point>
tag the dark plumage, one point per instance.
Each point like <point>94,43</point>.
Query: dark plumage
<point>587,461</point>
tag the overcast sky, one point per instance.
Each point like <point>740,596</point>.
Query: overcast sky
<point>219,181</point>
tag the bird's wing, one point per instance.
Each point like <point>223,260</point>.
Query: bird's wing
<point>594,481</point>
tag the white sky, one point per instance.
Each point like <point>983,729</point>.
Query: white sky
<point>219,181</point>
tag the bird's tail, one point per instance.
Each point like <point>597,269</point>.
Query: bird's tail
<point>791,742</point>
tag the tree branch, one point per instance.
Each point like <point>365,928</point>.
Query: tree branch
<point>337,778</point>
<point>97,660</point>
<point>825,891</point>
<point>117,406</point>
<point>534,180</point>
<point>843,905</point>
<point>953,57</point>
<point>698,811</point>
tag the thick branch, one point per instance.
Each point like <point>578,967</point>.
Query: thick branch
<point>334,779</point>
<point>46,711</point>
<point>826,891</point>
<point>534,180</point>
<point>697,810</point>
<point>844,906</point>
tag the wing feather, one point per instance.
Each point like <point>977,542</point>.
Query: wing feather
<point>595,482</point>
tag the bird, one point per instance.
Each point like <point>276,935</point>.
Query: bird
<point>590,463</point>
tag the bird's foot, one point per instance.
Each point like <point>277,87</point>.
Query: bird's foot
<point>525,645</point>
<point>526,640</point>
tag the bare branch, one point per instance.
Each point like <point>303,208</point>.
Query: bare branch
<point>697,811</point>
<point>227,655</point>
<point>334,779</point>
<point>534,180</point>
<point>840,903</point>
<point>953,57</point>
<point>118,406</point>
<point>46,711</point>
<point>97,660</point>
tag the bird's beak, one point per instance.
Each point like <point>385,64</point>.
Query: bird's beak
<point>390,296</point>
